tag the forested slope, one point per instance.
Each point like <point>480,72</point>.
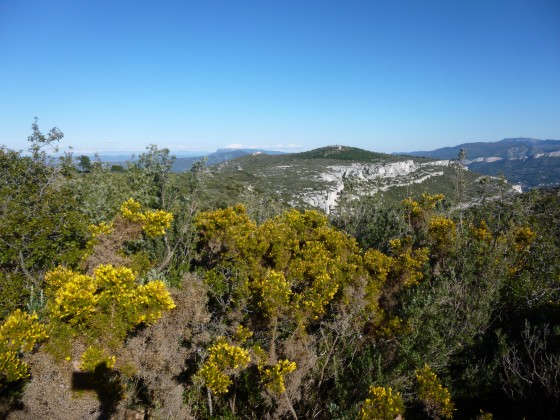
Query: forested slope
<point>136,293</point>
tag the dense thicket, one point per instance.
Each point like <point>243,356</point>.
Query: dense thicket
<point>137,290</point>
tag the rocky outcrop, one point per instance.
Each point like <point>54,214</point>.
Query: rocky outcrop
<point>368,179</point>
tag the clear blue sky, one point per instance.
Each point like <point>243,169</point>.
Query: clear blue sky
<point>280,74</point>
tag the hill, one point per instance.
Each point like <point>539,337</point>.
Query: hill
<point>320,178</point>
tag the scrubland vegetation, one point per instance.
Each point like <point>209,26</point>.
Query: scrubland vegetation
<point>134,291</point>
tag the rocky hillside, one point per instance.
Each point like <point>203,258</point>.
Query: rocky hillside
<point>321,177</point>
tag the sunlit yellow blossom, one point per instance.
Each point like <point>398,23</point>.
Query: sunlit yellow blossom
<point>273,376</point>
<point>381,404</point>
<point>223,360</point>
<point>19,333</point>
<point>431,392</point>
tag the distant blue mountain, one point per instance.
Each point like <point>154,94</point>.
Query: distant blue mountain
<point>526,161</point>
<point>514,148</point>
<point>221,155</point>
<point>183,161</point>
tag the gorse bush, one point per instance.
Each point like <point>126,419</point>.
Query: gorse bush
<point>18,334</point>
<point>381,404</point>
<point>436,398</point>
<point>223,360</point>
<point>110,295</point>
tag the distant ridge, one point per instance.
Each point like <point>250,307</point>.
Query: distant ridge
<point>220,155</point>
<point>526,161</point>
<point>516,148</point>
<point>184,160</point>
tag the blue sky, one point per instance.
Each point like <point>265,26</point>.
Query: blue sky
<point>279,74</point>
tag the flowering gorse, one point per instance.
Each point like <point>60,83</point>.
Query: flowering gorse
<point>94,357</point>
<point>77,297</point>
<point>442,231</point>
<point>223,360</point>
<point>408,262</point>
<point>381,404</point>
<point>293,266</point>
<point>273,376</point>
<point>436,398</point>
<point>154,222</point>
<point>19,333</point>
<point>106,305</point>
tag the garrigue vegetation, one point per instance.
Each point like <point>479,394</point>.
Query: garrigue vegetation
<point>133,290</point>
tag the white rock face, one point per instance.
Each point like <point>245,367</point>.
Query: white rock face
<point>369,178</point>
<point>485,159</point>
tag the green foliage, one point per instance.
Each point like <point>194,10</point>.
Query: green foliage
<point>40,225</point>
<point>343,153</point>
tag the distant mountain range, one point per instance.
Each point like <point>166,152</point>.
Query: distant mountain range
<point>526,161</point>
<point>184,160</point>
<point>221,155</point>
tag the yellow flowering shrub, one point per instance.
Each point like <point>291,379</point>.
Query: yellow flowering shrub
<point>151,300</point>
<point>408,263</point>
<point>436,398</point>
<point>272,292</point>
<point>413,207</point>
<point>75,296</point>
<point>417,210</point>
<point>101,229</point>
<point>523,237</point>
<point>108,304</point>
<point>131,210</point>
<point>381,404</point>
<point>293,265</point>
<point>229,233</point>
<point>379,267</point>
<point>429,201</point>
<point>116,283</point>
<point>316,298</point>
<point>19,333</point>
<point>442,232</point>
<point>378,264</point>
<point>242,334</point>
<point>154,222</point>
<point>481,232</point>
<point>94,357</point>
<point>417,213</point>
<point>223,360</point>
<point>273,376</point>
